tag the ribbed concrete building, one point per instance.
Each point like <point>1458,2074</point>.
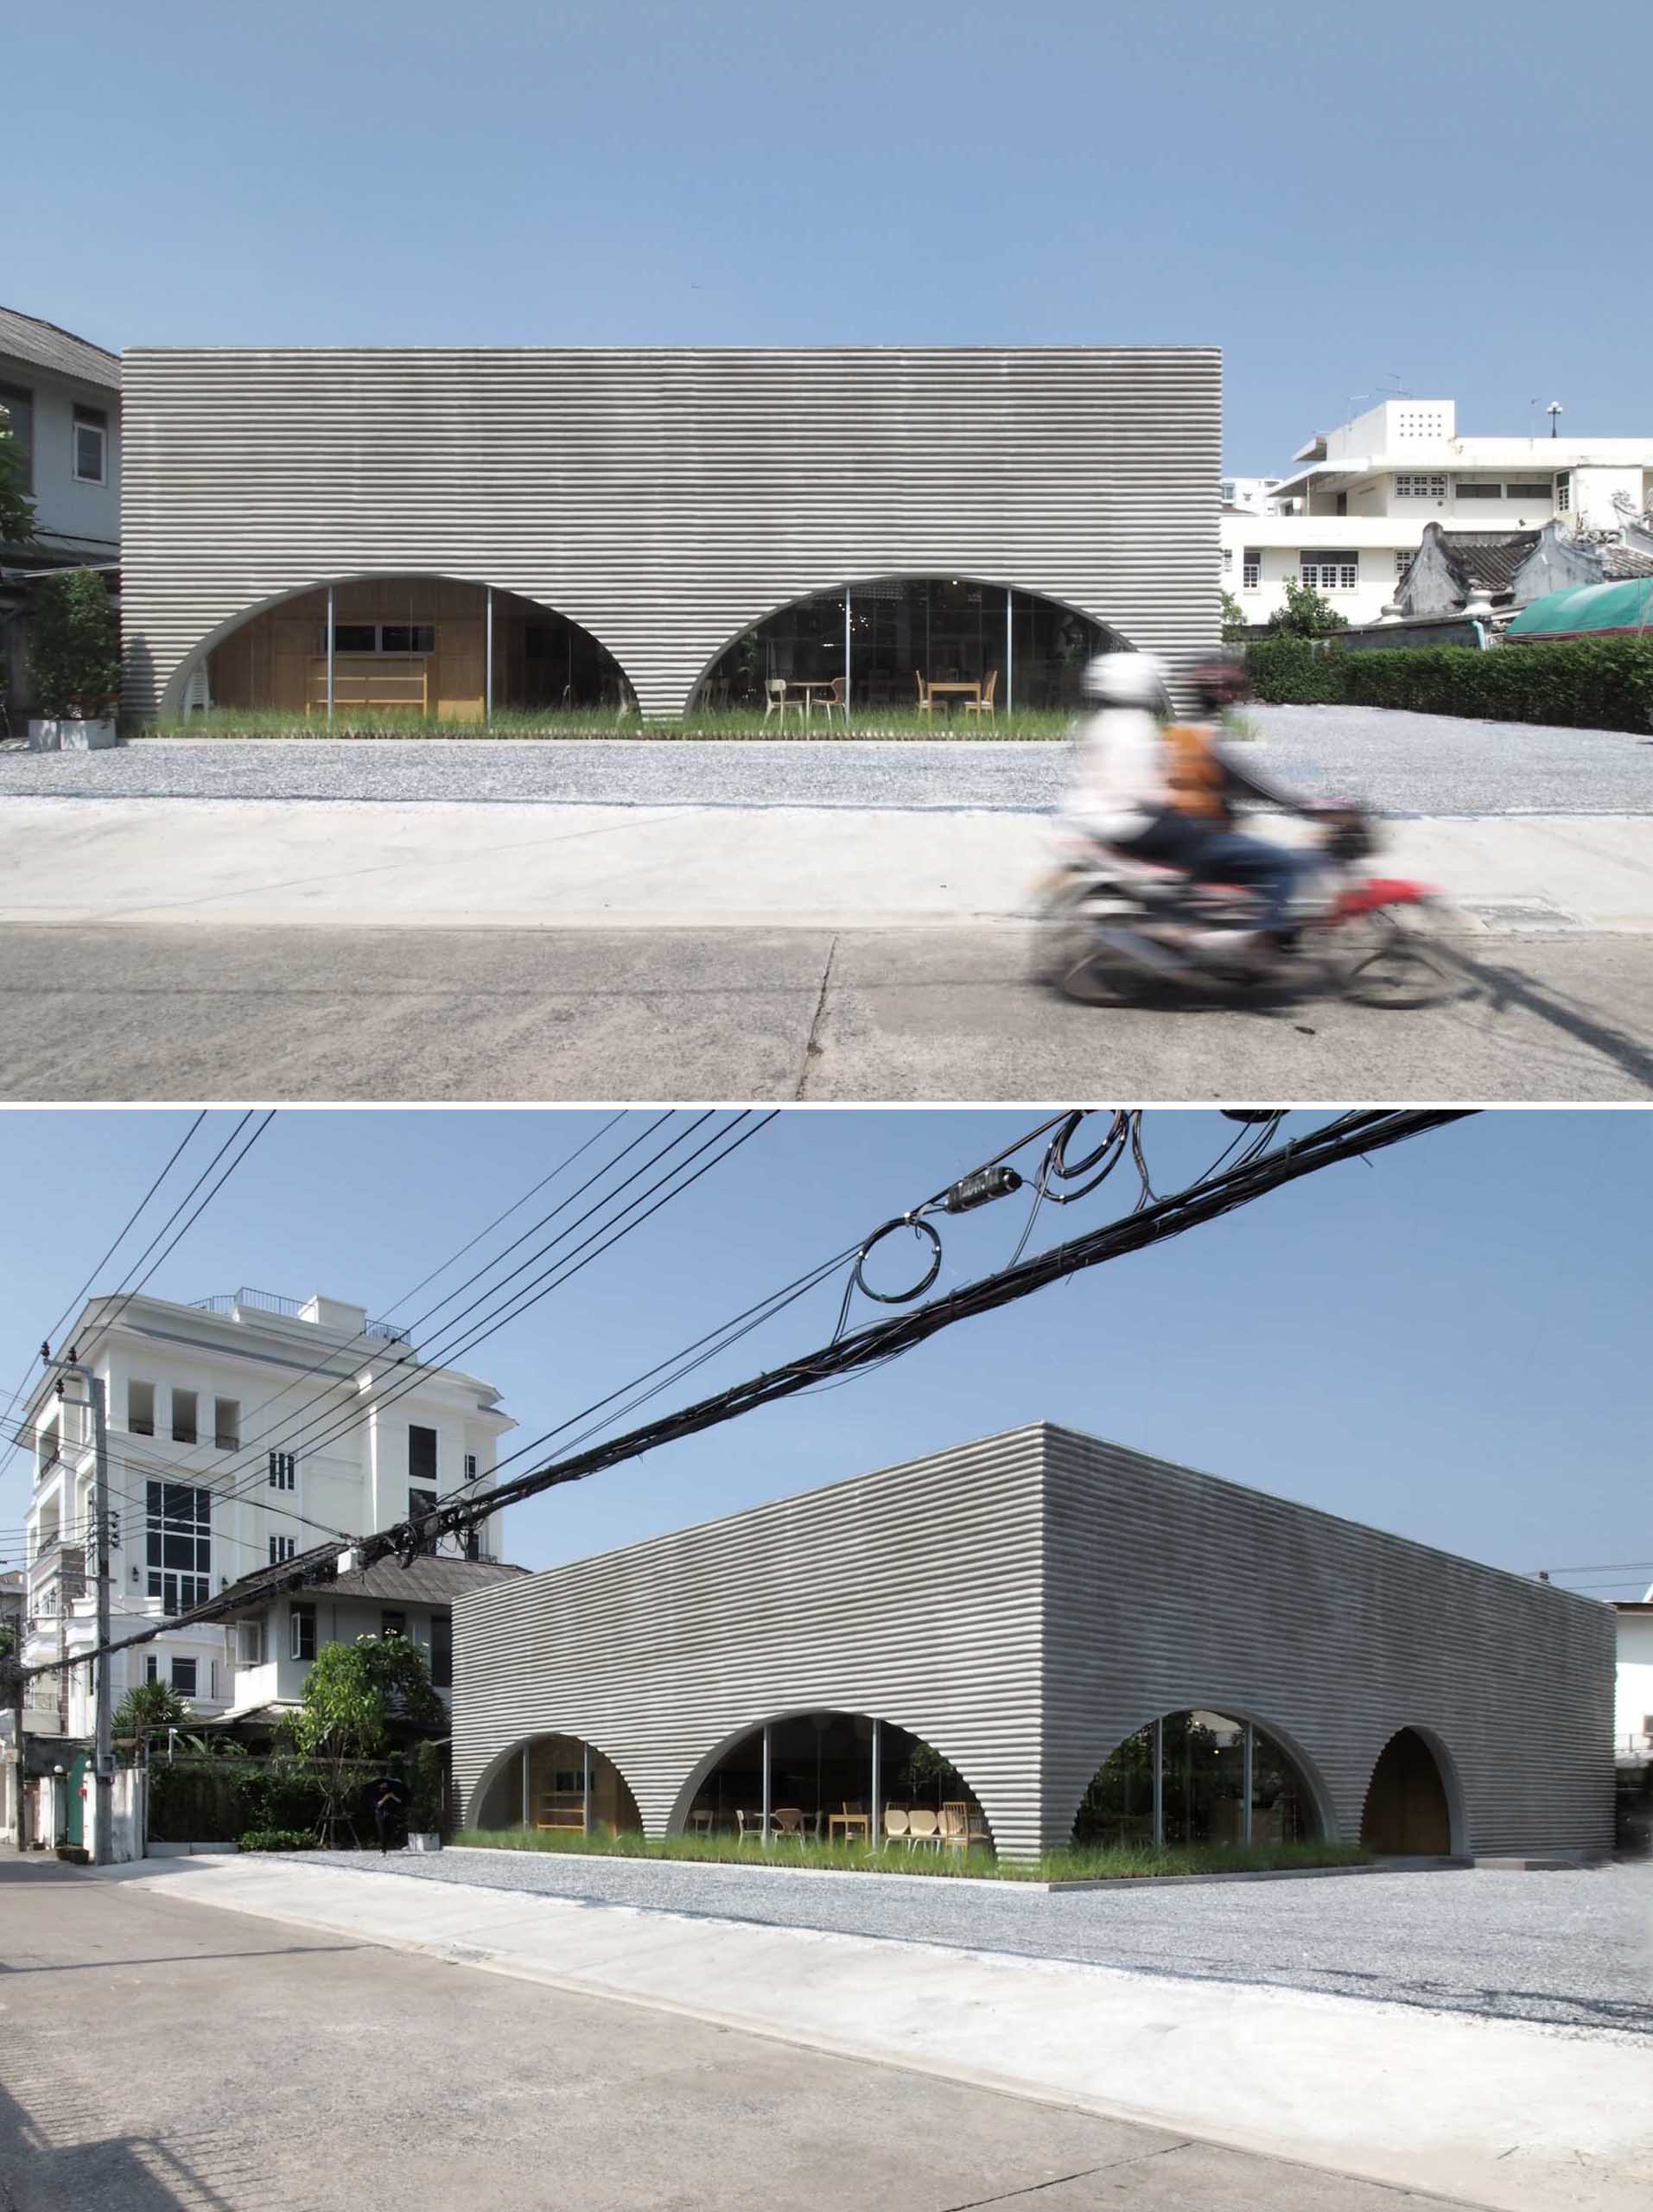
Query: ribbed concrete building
<point>1054,1638</point>
<point>538,530</point>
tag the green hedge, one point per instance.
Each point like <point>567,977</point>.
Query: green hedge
<point>1580,683</point>
<point>277,1840</point>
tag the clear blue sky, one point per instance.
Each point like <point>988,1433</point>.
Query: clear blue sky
<point>1337,197</point>
<point>1451,1342</point>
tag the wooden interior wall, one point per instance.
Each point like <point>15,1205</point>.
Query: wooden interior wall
<point>265,663</point>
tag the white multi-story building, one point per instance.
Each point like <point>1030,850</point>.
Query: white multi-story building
<point>1633,1717</point>
<point>241,1430</point>
<point>1352,513</point>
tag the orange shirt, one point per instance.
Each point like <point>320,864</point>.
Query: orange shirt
<point>1193,772</point>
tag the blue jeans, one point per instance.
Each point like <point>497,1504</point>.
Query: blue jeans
<point>1211,856</point>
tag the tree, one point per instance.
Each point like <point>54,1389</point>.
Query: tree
<point>148,1708</point>
<point>1234,625</point>
<point>74,651</point>
<point>1305,613</point>
<point>357,1694</point>
<point>8,1639</point>
<point>17,508</point>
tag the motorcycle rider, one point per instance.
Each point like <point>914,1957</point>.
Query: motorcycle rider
<point>1158,789</point>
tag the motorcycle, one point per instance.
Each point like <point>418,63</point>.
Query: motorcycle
<point>1110,927</point>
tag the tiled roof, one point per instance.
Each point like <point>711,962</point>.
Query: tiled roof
<point>1489,556</point>
<point>427,1581</point>
<point>1623,564</point>
<point>25,337</point>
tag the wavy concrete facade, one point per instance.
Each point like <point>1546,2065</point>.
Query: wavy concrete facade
<point>666,500</point>
<point>1024,1603</point>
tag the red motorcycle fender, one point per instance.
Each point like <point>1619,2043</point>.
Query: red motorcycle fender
<point>1378,891</point>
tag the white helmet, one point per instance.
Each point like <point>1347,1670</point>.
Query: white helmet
<point>1125,680</point>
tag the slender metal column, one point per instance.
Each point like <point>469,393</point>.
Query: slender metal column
<point>765,1785</point>
<point>585,1808</point>
<point>1009,646</point>
<point>1245,1816</point>
<point>1158,1785</point>
<point>875,1821</point>
<point>487,661</point>
<point>846,658</point>
<point>524,1786</point>
<point>329,656</point>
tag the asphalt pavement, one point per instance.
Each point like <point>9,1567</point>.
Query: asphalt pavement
<point>1400,764</point>
<point>159,2056</point>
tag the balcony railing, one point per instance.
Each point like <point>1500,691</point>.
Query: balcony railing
<point>269,1302</point>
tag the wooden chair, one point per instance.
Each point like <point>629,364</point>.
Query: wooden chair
<point>831,703</point>
<point>923,1825</point>
<point>985,705</point>
<point>788,1821</point>
<point>775,694</point>
<point>701,1821</point>
<point>925,701</point>
<point>895,1824</point>
<point>749,1826</point>
<point>956,1827</point>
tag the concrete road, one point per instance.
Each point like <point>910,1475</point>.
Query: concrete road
<point>158,2056</point>
<point>145,1011</point>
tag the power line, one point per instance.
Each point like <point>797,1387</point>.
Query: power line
<point>1349,1136</point>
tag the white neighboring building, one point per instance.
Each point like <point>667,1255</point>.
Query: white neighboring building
<point>227,1442</point>
<point>1352,513</point>
<point>1633,1706</point>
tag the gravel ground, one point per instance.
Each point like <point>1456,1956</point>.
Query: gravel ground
<point>1569,1949</point>
<point>1400,764</point>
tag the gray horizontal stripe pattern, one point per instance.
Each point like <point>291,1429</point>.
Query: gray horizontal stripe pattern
<point>667,500</point>
<point>1025,1602</point>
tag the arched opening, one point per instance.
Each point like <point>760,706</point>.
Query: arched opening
<point>1408,1813</point>
<point>556,1785</point>
<point>1197,1777</point>
<point>837,1778</point>
<point>971,648</point>
<point>413,649</point>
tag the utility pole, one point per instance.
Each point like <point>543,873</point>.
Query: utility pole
<point>103,1745</point>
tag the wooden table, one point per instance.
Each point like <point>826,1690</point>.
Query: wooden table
<point>955,690</point>
<point>809,686</point>
<point>852,1824</point>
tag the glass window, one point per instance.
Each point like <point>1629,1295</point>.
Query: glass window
<point>91,442</point>
<point>1475,487</point>
<point>250,1643</point>
<point>151,1668</point>
<point>1563,493</point>
<point>19,404</point>
<point>302,1624</point>
<point>422,1454</point>
<point>420,1502</point>
<point>283,1469</point>
<point>281,1550</point>
<point>1203,1795</point>
<point>183,1677</point>
<point>470,1466</point>
<point>179,1545</point>
<point>353,638</point>
<point>392,1624</point>
<point>1544,491</point>
<point>441,1651</point>
<point>407,637</point>
<point>1331,571</point>
<point>1252,569</point>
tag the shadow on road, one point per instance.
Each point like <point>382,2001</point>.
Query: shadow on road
<point>1502,987</point>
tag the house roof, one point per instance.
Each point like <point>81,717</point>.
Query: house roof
<point>25,337</point>
<point>1489,556</point>
<point>427,1581</point>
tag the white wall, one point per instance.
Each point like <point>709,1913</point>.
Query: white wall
<point>1281,539</point>
<point>1633,1704</point>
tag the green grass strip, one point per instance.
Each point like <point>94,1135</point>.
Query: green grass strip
<point>1123,1862</point>
<point>1035,725</point>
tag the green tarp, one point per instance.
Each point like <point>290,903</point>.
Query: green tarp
<point>1587,609</point>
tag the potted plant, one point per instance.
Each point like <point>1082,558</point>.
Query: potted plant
<point>74,664</point>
